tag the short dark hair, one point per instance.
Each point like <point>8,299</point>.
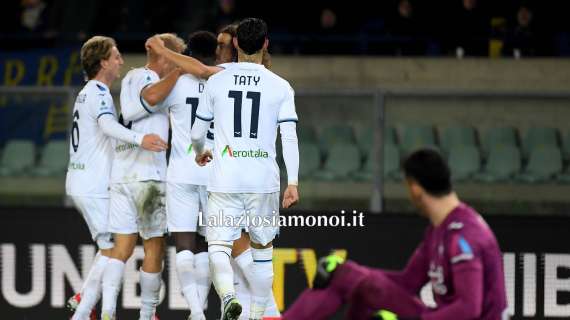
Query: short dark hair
<point>251,35</point>
<point>202,46</point>
<point>428,168</point>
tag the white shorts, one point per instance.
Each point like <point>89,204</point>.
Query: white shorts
<point>184,204</point>
<point>95,211</point>
<point>138,207</point>
<point>229,213</point>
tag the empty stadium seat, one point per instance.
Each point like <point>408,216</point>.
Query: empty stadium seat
<point>544,164</point>
<point>566,147</point>
<point>343,160</point>
<point>339,133</point>
<point>457,136</point>
<point>310,159</point>
<point>464,162</point>
<point>499,136</point>
<point>539,137</point>
<point>366,139</point>
<point>391,165</point>
<point>53,159</point>
<point>17,158</point>
<point>503,163</point>
<point>417,136</point>
<point>307,133</point>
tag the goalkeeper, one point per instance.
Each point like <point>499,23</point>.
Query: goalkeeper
<point>459,256</point>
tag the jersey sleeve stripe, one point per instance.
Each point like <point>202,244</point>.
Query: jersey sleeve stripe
<point>143,103</point>
<point>102,113</point>
<point>288,120</point>
<point>204,118</point>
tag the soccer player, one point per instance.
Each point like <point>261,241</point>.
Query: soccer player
<point>248,103</point>
<point>137,182</point>
<point>459,256</point>
<point>90,151</point>
<point>186,195</point>
<point>226,54</point>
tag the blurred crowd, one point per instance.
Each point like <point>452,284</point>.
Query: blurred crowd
<point>388,27</point>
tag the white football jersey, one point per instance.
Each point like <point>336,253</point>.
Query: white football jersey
<point>182,104</point>
<point>131,162</point>
<point>247,102</point>
<point>90,150</point>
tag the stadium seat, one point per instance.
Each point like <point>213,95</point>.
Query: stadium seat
<point>417,136</point>
<point>566,147</point>
<point>53,160</point>
<point>391,165</point>
<point>464,162</point>
<point>457,136</point>
<point>335,134</point>
<point>343,160</point>
<point>366,139</point>
<point>306,133</point>
<point>544,164</point>
<point>503,163</point>
<point>499,136</point>
<point>539,137</point>
<point>310,159</point>
<point>17,158</point>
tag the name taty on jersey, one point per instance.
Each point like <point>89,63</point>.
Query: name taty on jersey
<point>246,80</point>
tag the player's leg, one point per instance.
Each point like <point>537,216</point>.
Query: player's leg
<point>182,209</point>
<point>261,208</point>
<point>151,276</point>
<point>365,290</point>
<point>95,211</point>
<point>202,270</point>
<point>243,260</point>
<point>220,239</point>
<point>122,223</point>
<point>151,223</point>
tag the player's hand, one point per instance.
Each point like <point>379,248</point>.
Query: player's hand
<point>155,44</point>
<point>203,158</point>
<point>153,142</point>
<point>290,197</point>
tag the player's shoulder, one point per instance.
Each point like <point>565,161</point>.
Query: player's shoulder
<point>94,91</point>
<point>140,73</point>
<point>277,80</point>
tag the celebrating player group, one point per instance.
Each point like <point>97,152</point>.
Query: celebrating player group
<point>223,107</point>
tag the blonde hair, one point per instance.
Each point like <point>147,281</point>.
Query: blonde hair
<point>94,50</point>
<point>172,42</point>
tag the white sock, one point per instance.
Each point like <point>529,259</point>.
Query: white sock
<point>223,275</point>
<point>186,276</point>
<point>93,264</point>
<point>91,290</point>
<point>150,291</point>
<point>202,277</point>
<point>260,281</point>
<point>112,278</point>
<point>271,309</point>
<point>243,293</point>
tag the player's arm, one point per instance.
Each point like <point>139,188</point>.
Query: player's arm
<point>414,276</point>
<point>104,110</point>
<point>112,128</point>
<point>187,64</point>
<point>155,93</point>
<point>151,90</point>
<point>467,275</point>
<point>204,116</point>
<point>287,120</point>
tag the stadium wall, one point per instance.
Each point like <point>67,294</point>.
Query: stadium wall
<point>46,252</point>
<point>398,73</point>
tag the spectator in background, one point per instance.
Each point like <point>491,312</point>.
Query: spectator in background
<point>470,30</point>
<point>523,40</point>
<point>34,15</point>
<point>404,27</point>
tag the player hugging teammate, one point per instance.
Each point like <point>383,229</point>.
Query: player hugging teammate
<point>146,197</point>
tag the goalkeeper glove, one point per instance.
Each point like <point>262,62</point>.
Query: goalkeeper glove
<point>325,269</point>
<point>389,315</point>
